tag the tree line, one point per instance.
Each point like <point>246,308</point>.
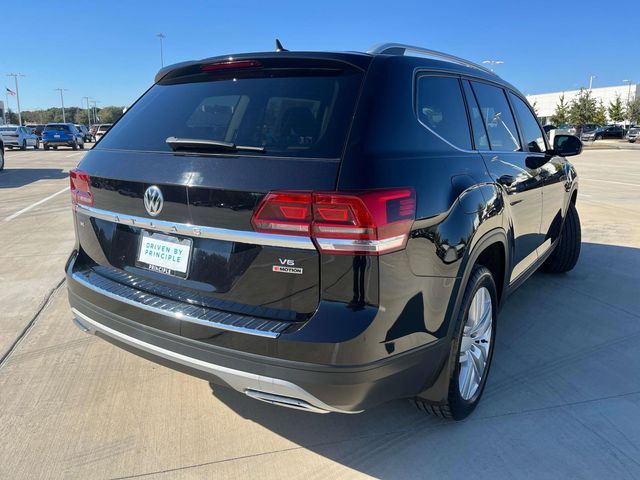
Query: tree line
<point>584,108</point>
<point>72,115</point>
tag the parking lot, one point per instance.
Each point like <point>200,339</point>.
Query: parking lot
<point>562,401</point>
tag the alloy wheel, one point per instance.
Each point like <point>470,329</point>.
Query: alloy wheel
<point>476,343</point>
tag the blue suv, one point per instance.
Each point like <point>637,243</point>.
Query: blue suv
<point>62,134</point>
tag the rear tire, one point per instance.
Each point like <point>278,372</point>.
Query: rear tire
<point>471,349</point>
<point>567,252</point>
<point>74,145</point>
<point>24,145</point>
<point>37,145</point>
<point>1,158</point>
<point>46,147</point>
<point>55,147</point>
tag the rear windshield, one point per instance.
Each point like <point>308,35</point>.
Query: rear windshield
<point>299,114</point>
<point>60,128</point>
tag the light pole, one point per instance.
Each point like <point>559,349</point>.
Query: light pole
<point>628,97</point>
<point>95,114</point>
<point>493,63</point>
<point>88,111</point>
<point>15,77</point>
<point>64,118</point>
<point>161,36</point>
<point>591,77</point>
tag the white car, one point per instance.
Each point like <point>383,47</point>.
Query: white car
<point>19,137</point>
<point>102,129</point>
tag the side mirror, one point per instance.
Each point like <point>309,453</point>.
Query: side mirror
<point>567,145</point>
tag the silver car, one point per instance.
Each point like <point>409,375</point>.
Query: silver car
<point>19,137</point>
<point>633,134</point>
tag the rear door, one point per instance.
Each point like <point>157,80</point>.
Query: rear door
<point>295,113</point>
<point>506,160</point>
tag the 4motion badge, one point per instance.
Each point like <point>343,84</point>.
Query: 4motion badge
<point>287,266</point>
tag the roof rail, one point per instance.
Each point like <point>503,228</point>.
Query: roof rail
<point>401,49</point>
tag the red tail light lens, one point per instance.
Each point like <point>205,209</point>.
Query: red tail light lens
<point>80,188</point>
<point>230,64</point>
<point>370,223</point>
<point>287,213</point>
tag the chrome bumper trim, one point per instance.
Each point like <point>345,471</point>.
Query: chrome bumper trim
<point>184,312</point>
<point>240,236</point>
<point>273,390</point>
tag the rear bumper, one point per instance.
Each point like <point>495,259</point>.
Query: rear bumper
<point>57,142</point>
<point>297,384</point>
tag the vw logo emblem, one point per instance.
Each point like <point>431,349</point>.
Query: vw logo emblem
<point>153,201</point>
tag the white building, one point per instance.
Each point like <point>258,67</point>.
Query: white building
<point>545,103</point>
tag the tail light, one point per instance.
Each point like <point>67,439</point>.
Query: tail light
<point>230,65</point>
<point>80,188</point>
<point>369,223</point>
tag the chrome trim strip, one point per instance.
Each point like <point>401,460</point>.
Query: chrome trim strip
<point>360,245</point>
<point>244,382</point>
<point>177,315</point>
<point>254,238</point>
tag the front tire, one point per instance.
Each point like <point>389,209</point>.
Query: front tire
<point>37,145</point>
<point>567,251</point>
<point>471,348</point>
<point>24,145</point>
<point>74,145</point>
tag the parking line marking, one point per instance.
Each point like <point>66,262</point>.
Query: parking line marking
<point>33,205</point>
<point>611,181</point>
<point>72,155</point>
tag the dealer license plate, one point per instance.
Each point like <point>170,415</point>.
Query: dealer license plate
<point>164,254</point>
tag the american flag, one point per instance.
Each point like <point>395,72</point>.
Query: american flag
<point>10,92</point>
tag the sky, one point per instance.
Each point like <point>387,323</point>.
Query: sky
<point>109,51</point>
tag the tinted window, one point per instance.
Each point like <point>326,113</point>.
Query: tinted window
<point>479,131</point>
<point>497,117</point>
<point>60,128</point>
<point>289,113</point>
<point>531,132</point>
<point>440,107</point>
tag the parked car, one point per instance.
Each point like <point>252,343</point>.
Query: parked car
<point>101,130</point>
<point>37,129</point>
<point>328,233</point>
<point>1,154</point>
<point>86,134</point>
<point>16,136</point>
<point>62,135</point>
<point>568,129</point>
<point>608,131</point>
<point>633,133</point>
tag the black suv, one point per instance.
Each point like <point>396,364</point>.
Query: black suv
<point>323,231</point>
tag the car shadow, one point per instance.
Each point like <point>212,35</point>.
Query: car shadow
<point>18,177</point>
<point>564,342</point>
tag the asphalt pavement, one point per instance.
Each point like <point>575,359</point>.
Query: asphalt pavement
<point>562,401</point>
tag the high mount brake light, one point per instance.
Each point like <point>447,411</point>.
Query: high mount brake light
<point>230,64</point>
<point>368,223</point>
<point>80,188</point>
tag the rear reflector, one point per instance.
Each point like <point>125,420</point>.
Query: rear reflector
<point>368,223</point>
<point>80,188</point>
<point>230,64</point>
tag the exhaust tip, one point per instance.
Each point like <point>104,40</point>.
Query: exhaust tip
<point>81,326</point>
<point>284,401</point>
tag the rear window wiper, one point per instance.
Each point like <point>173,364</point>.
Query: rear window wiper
<point>204,145</point>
